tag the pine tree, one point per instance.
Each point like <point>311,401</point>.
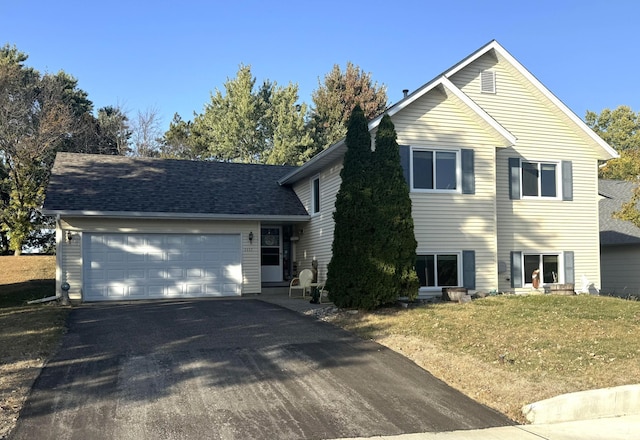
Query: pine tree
<point>350,272</point>
<point>394,239</point>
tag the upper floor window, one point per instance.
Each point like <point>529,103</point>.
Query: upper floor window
<point>427,169</point>
<point>435,170</point>
<point>539,179</point>
<point>315,195</point>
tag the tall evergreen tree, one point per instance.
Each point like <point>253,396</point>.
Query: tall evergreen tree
<point>394,238</point>
<point>253,124</point>
<point>350,271</point>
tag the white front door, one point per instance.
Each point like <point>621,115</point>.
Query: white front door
<point>271,253</point>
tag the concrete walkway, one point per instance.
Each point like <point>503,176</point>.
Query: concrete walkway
<point>624,427</point>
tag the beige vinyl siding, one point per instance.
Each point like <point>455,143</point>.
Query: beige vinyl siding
<point>620,268</point>
<point>543,133</point>
<point>448,222</point>
<point>316,238</point>
<point>71,260</point>
<point>71,264</point>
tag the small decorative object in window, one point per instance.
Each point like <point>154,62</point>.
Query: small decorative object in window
<point>535,278</point>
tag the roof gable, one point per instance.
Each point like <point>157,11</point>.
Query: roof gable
<point>498,51</point>
<point>101,185</point>
<point>335,151</point>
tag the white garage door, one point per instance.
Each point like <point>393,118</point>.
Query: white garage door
<point>144,266</point>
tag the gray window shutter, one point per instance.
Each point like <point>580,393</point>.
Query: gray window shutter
<point>567,180</point>
<point>469,269</point>
<point>569,271</point>
<point>516,269</point>
<point>405,161</point>
<point>514,178</point>
<point>468,176</point>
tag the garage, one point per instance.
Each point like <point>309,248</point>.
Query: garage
<point>120,266</point>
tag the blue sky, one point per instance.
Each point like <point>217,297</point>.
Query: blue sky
<point>171,55</point>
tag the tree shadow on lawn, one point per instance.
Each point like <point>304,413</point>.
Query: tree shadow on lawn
<point>18,294</point>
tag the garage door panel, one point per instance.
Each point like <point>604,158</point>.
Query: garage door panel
<point>115,291</point>
<point>134,266</point>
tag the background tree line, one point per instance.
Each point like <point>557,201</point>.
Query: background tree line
<point>245,121</point>
<point>42,114</point>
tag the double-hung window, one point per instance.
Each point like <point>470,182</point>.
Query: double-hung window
<point>435,170</point>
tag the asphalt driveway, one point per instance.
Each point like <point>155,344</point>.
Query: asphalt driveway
<point>231,369</point>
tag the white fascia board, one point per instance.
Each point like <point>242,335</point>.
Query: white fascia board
<point>176,216</point>
<point>494,45</point>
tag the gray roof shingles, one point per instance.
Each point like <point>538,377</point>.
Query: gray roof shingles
<point>614,231</point>
<point>104,184</point>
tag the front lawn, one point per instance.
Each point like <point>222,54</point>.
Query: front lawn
<point>507,351</point>
<point>29,334</point>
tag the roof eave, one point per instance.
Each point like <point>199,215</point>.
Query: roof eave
<point>174,216</point>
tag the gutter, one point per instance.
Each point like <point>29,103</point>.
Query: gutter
<point>175,216</point>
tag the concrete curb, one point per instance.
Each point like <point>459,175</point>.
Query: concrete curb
<point>585,405</point>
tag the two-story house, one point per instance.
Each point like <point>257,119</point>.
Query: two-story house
<point>502,178</point>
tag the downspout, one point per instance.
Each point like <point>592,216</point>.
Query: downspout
<point>58,256</point>
<point>61,294</point>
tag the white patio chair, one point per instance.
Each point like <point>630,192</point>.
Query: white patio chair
<point>302,282</point>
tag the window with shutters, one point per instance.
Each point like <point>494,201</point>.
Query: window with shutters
<point>549,267</point>
<point>540,179</point>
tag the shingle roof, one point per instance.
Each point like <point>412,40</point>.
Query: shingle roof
<point>614,231</point>
<point>100,184</point>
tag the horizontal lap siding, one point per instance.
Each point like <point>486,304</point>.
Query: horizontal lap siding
<point>620,268</point>
<point>317,237</point>
<point>543,133</point>
<point>72,262</point>
<point>454,222</point>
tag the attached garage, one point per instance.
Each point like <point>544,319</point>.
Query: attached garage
<point>143,228</point>
<point>155,266</point>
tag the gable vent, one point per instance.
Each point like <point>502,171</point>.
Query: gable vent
<point>488,81</point>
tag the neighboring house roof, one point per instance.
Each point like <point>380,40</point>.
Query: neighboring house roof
<point>613,231</point>
<point>102,185</point>
<point>442,81</point>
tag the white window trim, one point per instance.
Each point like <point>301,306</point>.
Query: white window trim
<point>558,165</point>
<point>560,267</point>
<point>424,289</point>
<point>313,195</point>
<point>458,153</point>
